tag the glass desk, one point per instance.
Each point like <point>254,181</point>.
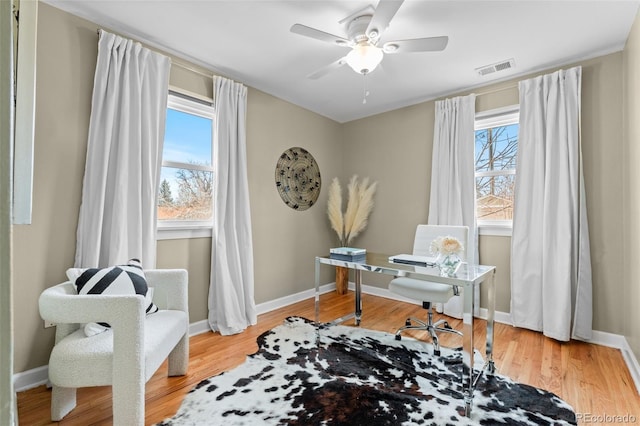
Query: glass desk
<point>468,277</point>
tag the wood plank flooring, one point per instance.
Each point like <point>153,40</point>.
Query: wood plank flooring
<point>593,379</point>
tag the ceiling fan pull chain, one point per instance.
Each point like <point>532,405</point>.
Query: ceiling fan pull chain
<point>365,92</point>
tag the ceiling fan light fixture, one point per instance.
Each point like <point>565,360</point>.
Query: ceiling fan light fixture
<point>364,58</point>
<point>390,47</point>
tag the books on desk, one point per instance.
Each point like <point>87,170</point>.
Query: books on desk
<point>349,254</point>
<point>411,259</point>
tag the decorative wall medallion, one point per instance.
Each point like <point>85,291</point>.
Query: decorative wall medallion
<point>298,178</point>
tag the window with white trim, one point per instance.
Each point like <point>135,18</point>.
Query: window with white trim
<point>185,194</point>
<point>496,147</point>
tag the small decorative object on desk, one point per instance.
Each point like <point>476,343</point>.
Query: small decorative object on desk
<point>448,250</point>
<point>348,254</point>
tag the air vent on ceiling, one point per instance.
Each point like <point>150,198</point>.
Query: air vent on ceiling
<point>499,66</point>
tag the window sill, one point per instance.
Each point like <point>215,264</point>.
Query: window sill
<point>501,230</point>
<point>183,232</point>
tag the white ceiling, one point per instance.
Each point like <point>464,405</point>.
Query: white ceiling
<point>250,41</point>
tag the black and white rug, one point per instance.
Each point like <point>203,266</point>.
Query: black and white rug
<point>358,377</point>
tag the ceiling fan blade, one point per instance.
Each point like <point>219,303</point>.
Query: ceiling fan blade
<point>319,35</point>
<point>327,69</point>
<point>428,44</point>
<point>385,11</point>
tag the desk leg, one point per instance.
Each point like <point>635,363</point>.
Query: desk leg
<point>490,321</point>
<point>358,310</point>
<point>468,345</point>
<point>317,296</point>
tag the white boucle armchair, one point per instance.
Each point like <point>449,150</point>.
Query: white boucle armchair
<point>124,357</point>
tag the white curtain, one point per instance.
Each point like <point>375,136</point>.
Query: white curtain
<point>231,295</point>
<point>453,189</point>
<point>124,152</point>
<point>550,259</point>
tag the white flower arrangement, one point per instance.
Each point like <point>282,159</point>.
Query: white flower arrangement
<point>446,246</point>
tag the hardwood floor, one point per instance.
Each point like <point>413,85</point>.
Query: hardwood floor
<point>593,379</point>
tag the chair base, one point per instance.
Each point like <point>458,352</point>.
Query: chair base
<point>432,328</point>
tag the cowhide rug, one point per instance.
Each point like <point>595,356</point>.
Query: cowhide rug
<point>358,377</point>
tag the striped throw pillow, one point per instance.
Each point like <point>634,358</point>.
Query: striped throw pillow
<point>118,280</point>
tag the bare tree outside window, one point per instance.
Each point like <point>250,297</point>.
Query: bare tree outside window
<point>193,200</point>
<point>185,194</point>
<point>495,162</point>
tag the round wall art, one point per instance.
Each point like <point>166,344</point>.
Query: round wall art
<point>298,178</point>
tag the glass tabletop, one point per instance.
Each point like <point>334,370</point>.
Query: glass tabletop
<point>380,263</point>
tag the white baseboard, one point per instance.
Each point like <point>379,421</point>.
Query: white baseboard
<point>632,364</point>
<point>39,376</point>
<point>281,302</point>
<point>602,338</point>
<point>619,342</point>
<point>202,326</point>
<point>502,317</point>
<point>31,378</point>
<point>199,327</point>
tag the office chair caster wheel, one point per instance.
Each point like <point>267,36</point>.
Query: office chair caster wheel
<point>398,337</point>
<point>407,323</point>
<point>447,326</point>
<point>436,353</point>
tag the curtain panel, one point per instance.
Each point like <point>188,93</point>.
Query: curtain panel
<point>231,292</point>
<point>551,286</point>
<point>453,194</point>
<point>117,218</point>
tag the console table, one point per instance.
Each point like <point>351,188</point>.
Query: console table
<point>468,277</point>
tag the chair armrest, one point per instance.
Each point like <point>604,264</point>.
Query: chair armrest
<point>60,304</point>
<point>171,288</point>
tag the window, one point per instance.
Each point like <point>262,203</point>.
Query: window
<point>496,146</point>
<point>185,195</point>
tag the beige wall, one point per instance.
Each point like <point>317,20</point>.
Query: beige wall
<point>285,241</point>
<point>631,190</point>
<point>279,232</point>
<point>43,250</point>
<point>393,148</point>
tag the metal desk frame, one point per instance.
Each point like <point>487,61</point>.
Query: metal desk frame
<point>468,277</point>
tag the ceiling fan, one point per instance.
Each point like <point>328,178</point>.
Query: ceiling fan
<point>364,31</point>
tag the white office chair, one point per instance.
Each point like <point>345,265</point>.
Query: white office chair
<point>429,292</point>
<point>126,356</point>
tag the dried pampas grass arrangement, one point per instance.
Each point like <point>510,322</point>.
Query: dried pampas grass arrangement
<point>359,206</point>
